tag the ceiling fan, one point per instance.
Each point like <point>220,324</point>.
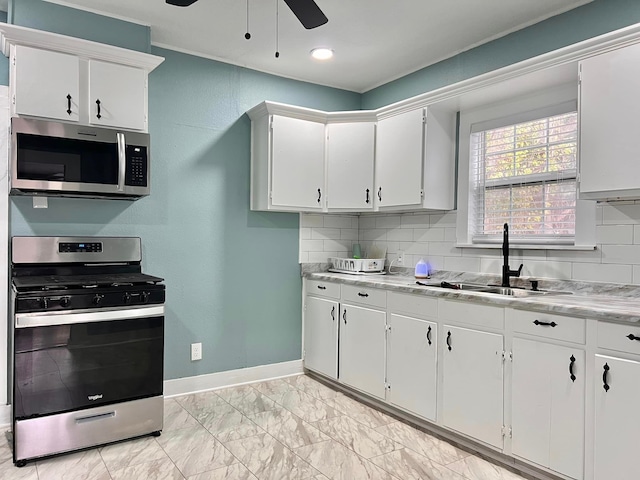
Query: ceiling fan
<point>307,11</point>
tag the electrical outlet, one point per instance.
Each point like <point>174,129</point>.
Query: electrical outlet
<point>400,258</point>
<point>196,351</point>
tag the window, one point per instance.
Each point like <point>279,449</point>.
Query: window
<point>518,165</point>
<point>524,174</point>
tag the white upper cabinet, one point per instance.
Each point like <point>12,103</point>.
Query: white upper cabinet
<point>117,95</point>
<point>609,112</point>
<point>308,160</point>
<point>415,166</point>
<point>61,78</point>
<point>46,84</point>
<point>287,163</point>
<point>399,154</point>
<point>350,151</point>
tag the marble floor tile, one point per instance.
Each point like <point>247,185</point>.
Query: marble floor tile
<point>359,411</point>
<point>8,471</point>
<point>176,417</point>
<point>205,404</point>
<point>288,429</point>
<point>339,463</point>
<point>420,442</point>
<point>409,465</point>
<point>237,471</point>
<point>247,399</point>
<point>274,389</point>
<point>312,387</point>
<point>156,470</point>
<point>230,426</point>
<point>269,459</point>
<point>194,450</point>
<point>475,468</point>
<point>363,440</point>
<point>124,454</point>
<point>74,466</point>
<point>307,407</point>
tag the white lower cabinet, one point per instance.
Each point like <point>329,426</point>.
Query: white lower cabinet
<point>321,335</point>
<point>362,348</point>
<point>617,396</point>
<point>548,400</point>
<point>472,384</point>
<point>411,364</point>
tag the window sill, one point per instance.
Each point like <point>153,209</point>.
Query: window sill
<point>524,246</point>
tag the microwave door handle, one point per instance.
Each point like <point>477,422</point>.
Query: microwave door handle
<point>122,160</point>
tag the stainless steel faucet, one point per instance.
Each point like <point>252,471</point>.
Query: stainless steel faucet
<point>506,272</point>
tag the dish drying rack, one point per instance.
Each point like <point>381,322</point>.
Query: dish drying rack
<point>356,265</point>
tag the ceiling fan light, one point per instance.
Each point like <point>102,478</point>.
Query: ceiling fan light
<point>322,53</point>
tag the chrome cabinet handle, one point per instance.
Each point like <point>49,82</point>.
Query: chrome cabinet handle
<point>122,159</point>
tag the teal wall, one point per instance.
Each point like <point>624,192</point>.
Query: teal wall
<point>590,20</point>
<point>232,275</point>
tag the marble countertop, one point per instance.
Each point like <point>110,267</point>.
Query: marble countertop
<point>607,308</point>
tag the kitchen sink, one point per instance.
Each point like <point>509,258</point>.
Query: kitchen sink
<point>494,289</point>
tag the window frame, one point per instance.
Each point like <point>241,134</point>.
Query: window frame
<point>522,109</point>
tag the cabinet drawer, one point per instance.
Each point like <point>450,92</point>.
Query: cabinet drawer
<point>365,296</point>
<point>322,288</point>
<point>558,327</point>
<point>471,313</point>
<point>417,305</point>
<point>617,337</point>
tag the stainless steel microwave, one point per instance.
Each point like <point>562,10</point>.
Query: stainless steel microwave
<point>61,159</point>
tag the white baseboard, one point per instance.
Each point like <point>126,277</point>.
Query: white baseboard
<point>212,381</point>
<point>5,415</point>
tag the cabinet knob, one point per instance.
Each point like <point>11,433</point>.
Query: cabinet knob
<point>98,104</point>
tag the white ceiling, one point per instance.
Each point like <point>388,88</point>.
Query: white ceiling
<point>375,41</point>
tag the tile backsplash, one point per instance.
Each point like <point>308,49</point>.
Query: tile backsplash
<point>432,236</point>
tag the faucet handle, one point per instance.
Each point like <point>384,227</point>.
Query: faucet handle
<point>520,269</point>
<point>534,285</point>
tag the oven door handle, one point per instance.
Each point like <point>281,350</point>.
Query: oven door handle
<point>68,317</point>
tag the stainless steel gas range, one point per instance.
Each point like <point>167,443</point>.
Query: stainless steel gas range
<point>88,344</point>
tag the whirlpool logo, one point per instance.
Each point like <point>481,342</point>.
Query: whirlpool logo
<point>94,397</point>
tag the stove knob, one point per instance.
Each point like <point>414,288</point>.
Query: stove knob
<point>44,302</point>
<point>97,299</point>
<point>145,297</point>
<point>126,298</point>
<point>65,301</point>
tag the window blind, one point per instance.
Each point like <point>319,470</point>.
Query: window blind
<point>524,174</point>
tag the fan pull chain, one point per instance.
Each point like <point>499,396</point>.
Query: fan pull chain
<point>277,32</point>
<point>247,35</point>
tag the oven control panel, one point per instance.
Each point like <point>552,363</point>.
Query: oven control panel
<point>80,247</point>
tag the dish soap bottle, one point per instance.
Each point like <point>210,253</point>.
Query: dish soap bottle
<point>422,269</point>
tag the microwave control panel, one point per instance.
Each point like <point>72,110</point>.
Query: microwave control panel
<point>136,172</point>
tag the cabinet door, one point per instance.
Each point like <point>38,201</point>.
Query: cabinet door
<point>46,84</point>
<point>362,341</point>
<point>548,406</point>
<point>617,421</point>
<point>399,160</point>
<point>472,383</point>
<point>411,364</point>
<point>609,122</point>
<point>350,165</point>
<point>121,92</point>
<point>297,163</point>
<point>321,336</point>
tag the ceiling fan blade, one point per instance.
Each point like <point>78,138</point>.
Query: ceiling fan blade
<point>307,12</point>
<point>181,3</point>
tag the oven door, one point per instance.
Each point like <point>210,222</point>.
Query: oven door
<point>72,360</point>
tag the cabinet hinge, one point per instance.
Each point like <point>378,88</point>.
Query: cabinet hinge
<point>424,119</point>
<point>504,355</point>
<point>270,194</point>
<point>506,431</point>
<point>421,193</point>
<point>271,124</point>
<point>387,328</point>
<point>14,99</point>
<point>387,386</point>
<point>14,61</point>
<point>511,356</point>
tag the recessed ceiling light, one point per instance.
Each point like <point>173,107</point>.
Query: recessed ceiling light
<point>322,53</point>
